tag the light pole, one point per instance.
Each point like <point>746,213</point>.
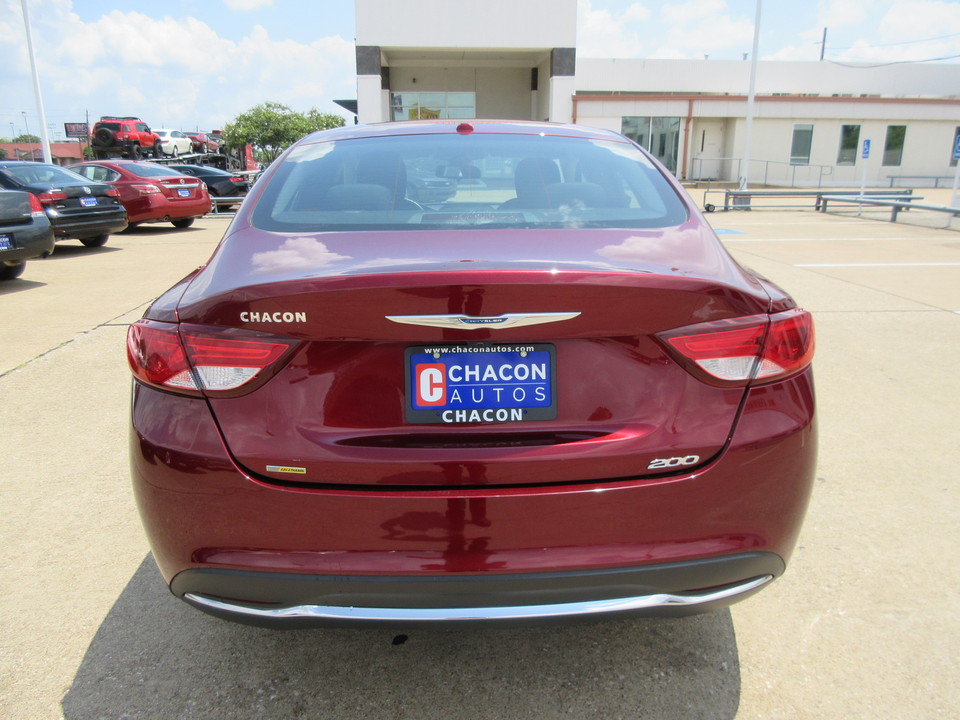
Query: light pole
<point>44,139</point>
<point>25,126</point>
<point>751,97</point>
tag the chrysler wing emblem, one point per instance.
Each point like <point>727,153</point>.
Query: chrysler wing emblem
<point>471,322</point>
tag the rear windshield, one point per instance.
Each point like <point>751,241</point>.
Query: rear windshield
<point>38,173</point>
<point>479,181</point>
<point>151,170</point>
<point>198,170</point>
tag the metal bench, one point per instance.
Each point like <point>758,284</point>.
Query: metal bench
<point>896,206</point>
<point>226,201</point>
<point>740,199</point>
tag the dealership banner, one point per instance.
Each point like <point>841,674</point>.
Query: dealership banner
<point>76,130</point>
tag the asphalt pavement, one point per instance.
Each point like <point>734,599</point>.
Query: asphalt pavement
<point>863,624</point>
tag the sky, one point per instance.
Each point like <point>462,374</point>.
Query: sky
<point>196,64</point>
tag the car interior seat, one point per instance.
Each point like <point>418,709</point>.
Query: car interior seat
<point>531,178</point>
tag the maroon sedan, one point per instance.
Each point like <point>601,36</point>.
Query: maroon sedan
<point>550,394</point>
<point>150,192</point>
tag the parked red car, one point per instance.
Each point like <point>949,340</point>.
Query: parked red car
<point>126,136</point>
<point>202,143</point>
<point>150,192</point>
<point>551,394</point>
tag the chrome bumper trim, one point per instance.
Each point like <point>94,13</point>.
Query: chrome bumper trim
<point>516,612</point>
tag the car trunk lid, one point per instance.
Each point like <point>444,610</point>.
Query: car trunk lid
<point>366,313</point>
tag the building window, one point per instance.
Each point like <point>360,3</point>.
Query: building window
<point>849,142</point>
<point>802,142</point>
<point>433,105</point>
<point>659,135</point>
<point>893,147</point>
<point>956,139</point>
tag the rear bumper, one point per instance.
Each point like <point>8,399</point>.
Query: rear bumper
<point>291,600</point>
<point>88,225</point>
<point>159,208</point>
<point>236,545</point>
<point>31,241</point>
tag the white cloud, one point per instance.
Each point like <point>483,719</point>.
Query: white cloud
<point>838,14</point>
<point>172,72</point>
<point>296,253</point>
<point>702,27</point>
<point>905,32</point>
<point>601,33</point>
<point>922,20</point>
<point>247,5</point>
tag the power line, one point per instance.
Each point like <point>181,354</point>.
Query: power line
<point>854,64</point>
<point>904,42</point>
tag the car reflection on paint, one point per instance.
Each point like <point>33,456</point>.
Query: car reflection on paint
<point>550,394</point>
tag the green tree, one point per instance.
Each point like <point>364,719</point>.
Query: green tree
<point>271,128</point>
<point>26,139</point>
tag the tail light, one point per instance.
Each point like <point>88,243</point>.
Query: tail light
<point>759,348</point>
<point>36,207</point>
<point>146,188</point>
<point>198,361</point>
<point>52,196</point>
<point>112,192</point>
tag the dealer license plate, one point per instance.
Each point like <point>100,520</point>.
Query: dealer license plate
<point>6,242</point>
<point>183,192</point>
<point>480,383</point>
<point>88,202</point>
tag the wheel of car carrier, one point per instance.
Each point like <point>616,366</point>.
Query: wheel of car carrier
<point>9,272</point>
<point>182,223</point>
<point>95,241</point>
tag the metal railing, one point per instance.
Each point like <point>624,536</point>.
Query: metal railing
<point>216,202</point>
<point>762,172</point>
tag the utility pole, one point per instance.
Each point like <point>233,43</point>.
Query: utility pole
<point>823,45</point>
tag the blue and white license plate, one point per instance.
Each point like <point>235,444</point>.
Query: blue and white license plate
<point>6,242</point>
<point>480,383</point>
<point>88,202</point>
<point>183,192</point>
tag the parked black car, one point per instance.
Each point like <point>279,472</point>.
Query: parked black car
<point>76,207</point>
<point>25,232</point>
<point>220,183</point>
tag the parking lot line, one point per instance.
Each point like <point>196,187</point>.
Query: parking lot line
<point>885,265</point>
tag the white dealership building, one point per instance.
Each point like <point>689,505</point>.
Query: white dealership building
<point>517,59</point>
